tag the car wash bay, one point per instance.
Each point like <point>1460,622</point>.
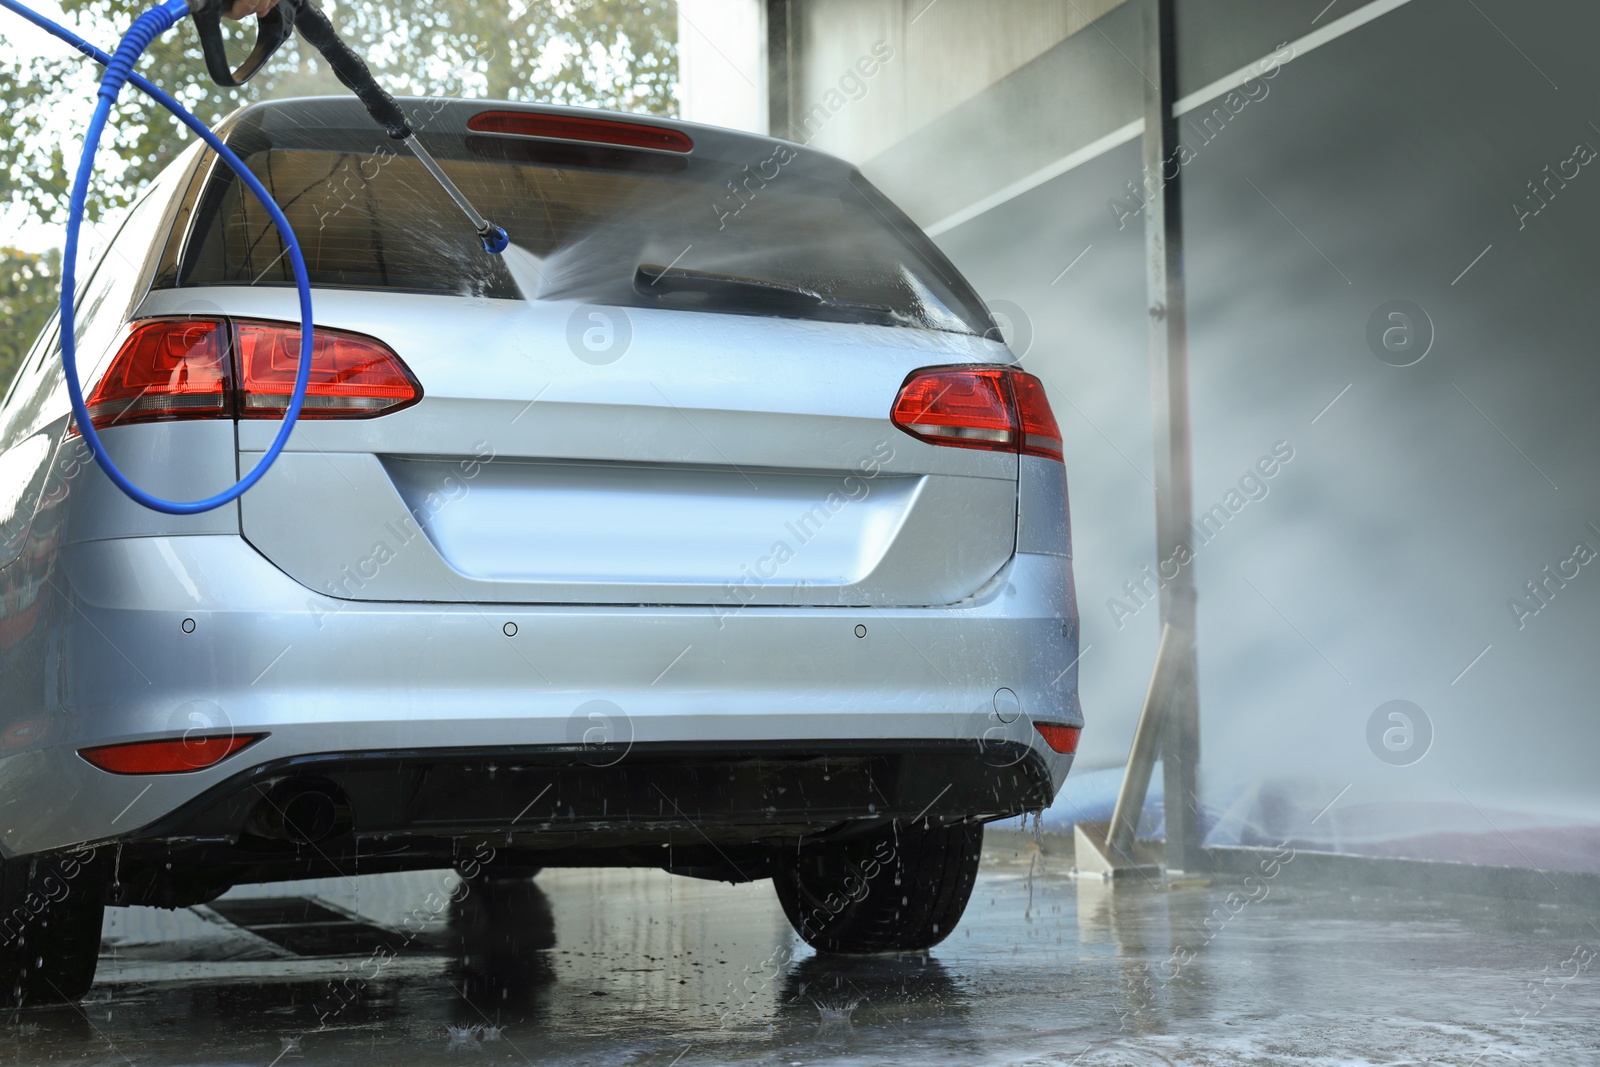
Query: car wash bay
<point>1385,164</point>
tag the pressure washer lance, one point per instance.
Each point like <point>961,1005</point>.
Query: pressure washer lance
<point>275,27</point>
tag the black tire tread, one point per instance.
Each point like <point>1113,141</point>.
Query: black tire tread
<point>912,903</point>
<point>49,940</point>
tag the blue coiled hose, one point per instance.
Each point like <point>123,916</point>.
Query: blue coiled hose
<point>119,71</point>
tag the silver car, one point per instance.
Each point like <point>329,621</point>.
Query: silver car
<point>712,529</point>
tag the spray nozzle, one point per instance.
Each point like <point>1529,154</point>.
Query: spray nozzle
<point>494,238</point>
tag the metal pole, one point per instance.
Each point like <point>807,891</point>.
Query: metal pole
<point>1142,756</point>
<point>780,69</point>
<point>479,223</point>
<point>1169,383</point>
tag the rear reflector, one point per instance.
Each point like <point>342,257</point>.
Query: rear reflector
<point>177,756</point>
<point>580,128</point>
<point>1059,738</point>
<point>999,409</point>
<point>169,369</point>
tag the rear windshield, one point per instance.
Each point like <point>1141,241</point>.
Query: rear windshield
<point>757,228</point>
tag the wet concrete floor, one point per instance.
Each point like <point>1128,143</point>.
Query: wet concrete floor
<point>640,967</point>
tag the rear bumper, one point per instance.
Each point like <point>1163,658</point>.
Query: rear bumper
<point>727,808</point>
<point>110,660</point>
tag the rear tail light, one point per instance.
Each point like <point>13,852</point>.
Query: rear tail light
<point>170,369</point>
<point>1059,738</point>
<point>177,756</point>
<point>1000,409</point>
<point>351,376</point>
<point>1038,433</point>
<point>166,369</point>
<point>580,128</point>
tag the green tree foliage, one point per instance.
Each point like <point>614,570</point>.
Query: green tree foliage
<point>615,54</point>
<point>28,283</point>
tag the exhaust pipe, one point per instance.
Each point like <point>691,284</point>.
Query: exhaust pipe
<point>302,811</point>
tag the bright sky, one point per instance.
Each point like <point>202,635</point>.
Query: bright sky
<point>31,235</point>
<point>23,38</point>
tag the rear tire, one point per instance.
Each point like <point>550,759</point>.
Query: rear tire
<point>50,916</point>
<point>510,874</point>
<point>898,889</point>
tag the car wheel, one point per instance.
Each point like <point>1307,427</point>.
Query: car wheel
<point>50,916</point>
<point>497,872</point>
<point>511,874</point>
<point>899,889</point>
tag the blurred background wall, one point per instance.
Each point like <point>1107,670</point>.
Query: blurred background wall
<point>1342,157</point>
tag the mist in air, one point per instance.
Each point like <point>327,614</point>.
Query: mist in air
<point>1390,559</point>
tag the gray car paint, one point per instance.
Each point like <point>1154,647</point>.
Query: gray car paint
<point>950,580</point>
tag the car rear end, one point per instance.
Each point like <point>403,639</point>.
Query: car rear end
<point>712,521</point>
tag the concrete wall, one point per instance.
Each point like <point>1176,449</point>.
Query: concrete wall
<point>722,63</point>
<point>943,52</point>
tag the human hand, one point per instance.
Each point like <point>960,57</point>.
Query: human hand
<point>243,9</point>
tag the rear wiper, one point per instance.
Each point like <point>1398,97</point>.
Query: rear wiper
<point>756,294</point>
<point>654,280</point>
